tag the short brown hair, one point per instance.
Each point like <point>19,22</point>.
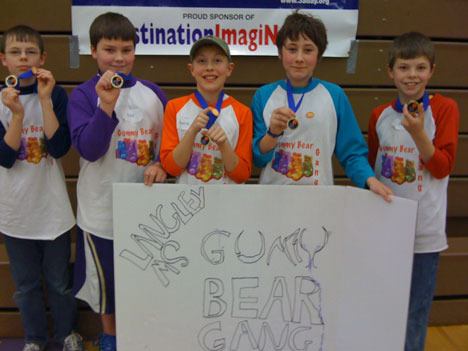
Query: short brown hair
<point>111,25</point>
<point>411,45</point>
<point>307,25</point>
<point>22,33</point>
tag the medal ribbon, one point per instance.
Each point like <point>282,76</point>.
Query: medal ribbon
<point>24,75</point>
<point>201,100</point>
<point>425,101</point>
<point>126,77</point>
<point>293,106</point>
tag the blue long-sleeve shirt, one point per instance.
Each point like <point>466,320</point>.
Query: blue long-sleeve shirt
<point>327,126</point>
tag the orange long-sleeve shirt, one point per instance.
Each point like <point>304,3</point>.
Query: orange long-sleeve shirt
<point>446,119</point>
<point>396,161</point>
<point>206,164</point>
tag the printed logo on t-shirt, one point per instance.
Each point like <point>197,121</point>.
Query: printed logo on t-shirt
<point>205,166</point>
<point>289,161</point>
<point>135,151</point>
<point>32,150</point>
<point>400,170</point>
<point>293,165</point>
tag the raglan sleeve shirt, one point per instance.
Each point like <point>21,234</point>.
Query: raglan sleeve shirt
<point>7,154</point>
<point>372,137</point>
<point>162,97</point>
<point>59,144</point>
<point>447,120</point>
<point>169,140</point>
<point>243,149</point>
<point>260,128</point>
<point>351,148</point>
<point>90,127</point>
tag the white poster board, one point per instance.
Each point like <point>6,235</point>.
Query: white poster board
<point>254,267</point>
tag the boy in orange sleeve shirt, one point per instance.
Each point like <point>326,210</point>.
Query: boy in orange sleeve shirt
<point>207,135</point>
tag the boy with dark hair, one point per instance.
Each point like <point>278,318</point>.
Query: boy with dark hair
<point>111,26</point>
<point>115,121</point>
<point>35,212</point>
<point>207,135</point>
<point>300,122</point>
<point>412,146</point>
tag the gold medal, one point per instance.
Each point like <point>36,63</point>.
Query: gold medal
<point>413,107</point>
<point>117,81</point>
<point>11,81</point>
<point>293,123</point>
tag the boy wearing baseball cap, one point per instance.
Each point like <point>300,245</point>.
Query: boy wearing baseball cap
<point>207,135</point>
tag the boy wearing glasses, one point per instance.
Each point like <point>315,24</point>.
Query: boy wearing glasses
<point>35,212</point>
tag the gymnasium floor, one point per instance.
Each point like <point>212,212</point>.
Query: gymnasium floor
<point>451,338</point>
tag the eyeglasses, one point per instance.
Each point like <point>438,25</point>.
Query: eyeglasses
<point>27,52</point>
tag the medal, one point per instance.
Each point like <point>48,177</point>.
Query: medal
<point>118,80</point>
<point>293,123</point>
<point>413,107</point>
<point>212,114</point>
<point>14,81</point>
<point>11,81</point>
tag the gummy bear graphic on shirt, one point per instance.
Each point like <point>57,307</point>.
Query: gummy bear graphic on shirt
<point>205,169</point>
<point>22,154</point>
<point>218,168</point>
<point>193,164</point>
<point>387,166</point>
<point>144,154</point>
<point>307,166</point>
<point>33,150</point>
<point>128,150</point>
<point>398,171</point>
<point>132,150</point>
<point>42,146</point>
<point>410,171</point>
<point>283,166</point>
<point>295,168</point>
<point>276,160</point>
<point>121,151</point>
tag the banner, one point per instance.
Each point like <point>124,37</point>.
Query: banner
<point>244,268</point>
<point>250,28</point>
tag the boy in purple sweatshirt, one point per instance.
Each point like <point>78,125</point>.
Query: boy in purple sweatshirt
<point>116,130</point>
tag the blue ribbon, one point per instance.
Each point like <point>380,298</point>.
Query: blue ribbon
<point>24,75</point>
<point>293,106</point>
<point>293,123</point>
<point>425,101</point>
<point>201,100</point>
<point>126,77</point>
